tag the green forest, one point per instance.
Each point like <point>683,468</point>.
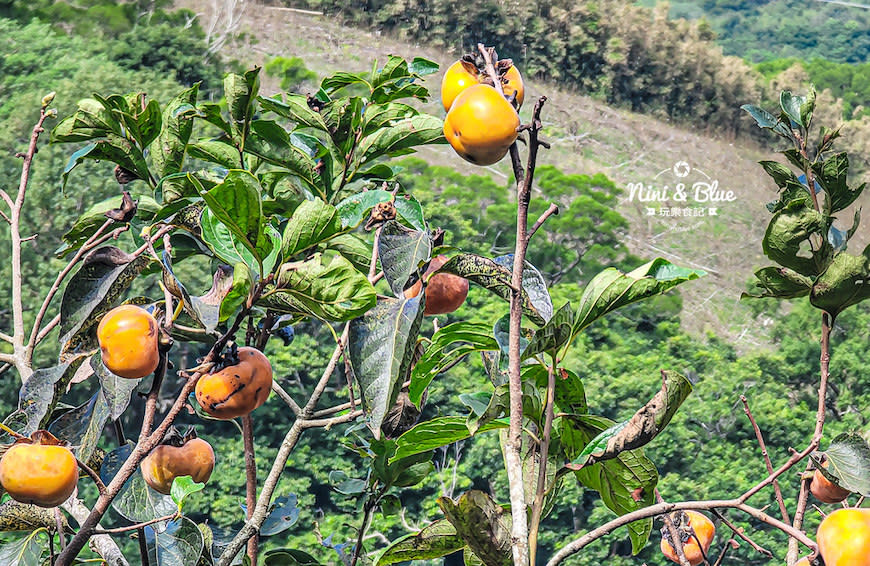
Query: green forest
<point>696,72</point>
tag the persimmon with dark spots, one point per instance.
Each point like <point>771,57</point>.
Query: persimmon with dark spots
<point>194,458</point>
<point>445,292</point>
<point>128,337</point>
<point>825,490</point>
<point>694,547</point>
<point>237,389</point>
<point>39,470</point>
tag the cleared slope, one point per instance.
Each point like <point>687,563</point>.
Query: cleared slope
<point>587,137</point>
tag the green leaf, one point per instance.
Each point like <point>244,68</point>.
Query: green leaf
<point>435,540</point>
<point>626,483</point>
<point>422,67</point>
<point>236,203</point>
<point>242,284</point>
<point>356,207</point>
<point>448,345</point>
<point>345,485</point>
<point>294,107</point>
<point>641,428</point>
<point>83,426</point>
<point>831,175</point>
<point>241,94</point>
<point>791,106</point>
<point>114,148</point>
<point>174,543</point>
<point>496,407</point>
<point>782,175</point>
<point>553,335</point>
<point>150,123</point>
<point>379,115</point>
<point>204,312</point>
<point>230,249</point>
<point>182,486</point>
<point>313,222</point>
<point>401,251</point>
<point>342,117</point>
<point>273,144</point>
<point>353,248</point>
<point>215,151</point>
<point>844,283</point>
<point>788,229</point>
<point>25,550</point>
<point>90,121</point>
<point>167,151</point>
<point>340,80</point>
<point>408,133</point>
<point>570,395</point>
<point>381,346</point>
<point>766,120</point>
<point>105,274</point>
<point>438,432</point>
<point>849,463</point>
<point>484,525</point>
<point>496,278</point>
<point>779,282</point>
<point>116,390</point>
<point>41,392</point>
<point>335,291</point>
<point>288,557</point>
<point>283,514</point>
<point>612,289</point>
<point>410,209</point>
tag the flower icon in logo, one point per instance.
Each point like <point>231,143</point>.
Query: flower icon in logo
<point>682,169</point>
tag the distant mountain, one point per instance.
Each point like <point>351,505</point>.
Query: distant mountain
<point>761,30</point>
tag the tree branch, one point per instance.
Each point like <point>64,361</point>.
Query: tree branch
<point>250,481</point>
<point>577,545</point>
<point>824,370</point>
<point>20,360</point>
<point>783,511</point>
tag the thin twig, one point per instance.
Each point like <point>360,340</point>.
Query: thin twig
<point>101,487</point>
<point>284,396</point>
<point>336,409</point>
<point>58,520</point>
<point>739,532</point>
<point>824,364</point>
<point>551,210</point>
<point>766,456</point>
<point>119,530</point>
<point>18,347</point>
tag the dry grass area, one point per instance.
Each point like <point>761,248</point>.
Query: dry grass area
<point>587,137</point>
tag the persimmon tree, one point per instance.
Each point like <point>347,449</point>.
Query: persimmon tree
<point>296,204</point>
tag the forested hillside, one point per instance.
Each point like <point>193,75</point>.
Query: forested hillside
<point>777,29</point>
<point>652,92</point>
